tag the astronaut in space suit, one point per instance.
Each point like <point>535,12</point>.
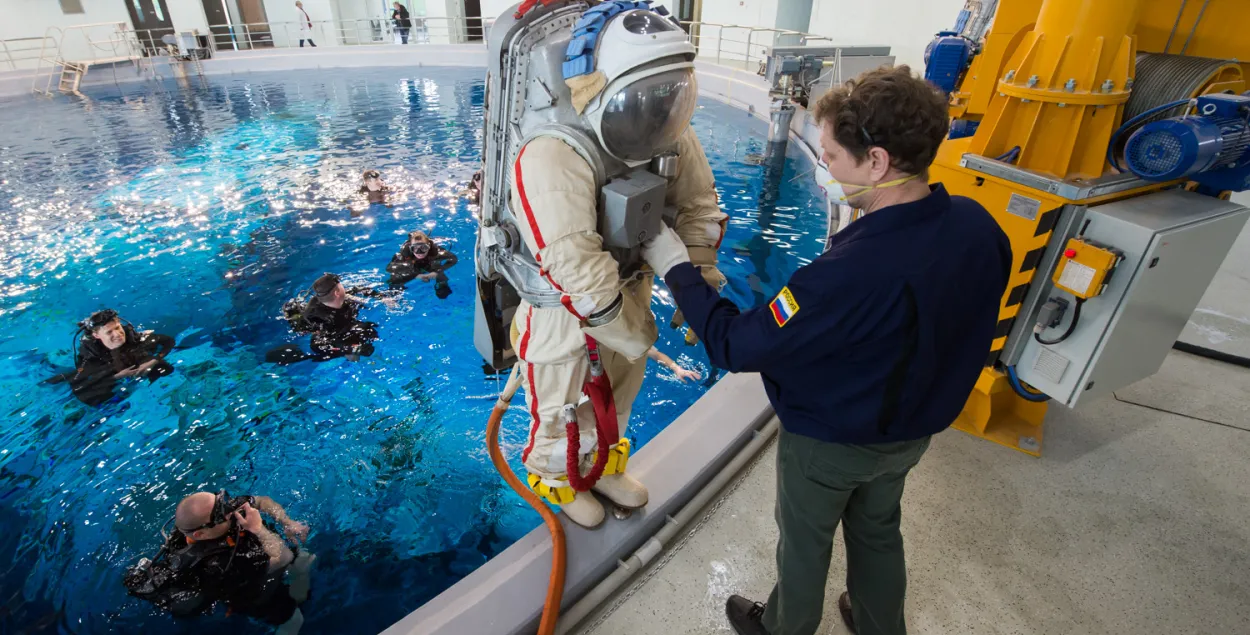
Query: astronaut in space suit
<point>605,154</point>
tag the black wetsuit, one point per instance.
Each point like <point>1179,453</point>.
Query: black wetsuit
<point>236,571</point>
<point>96,379</point>
<point>405,267</point>
<point>338,332</point>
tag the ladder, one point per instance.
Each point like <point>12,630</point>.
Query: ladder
<point>71,76</point>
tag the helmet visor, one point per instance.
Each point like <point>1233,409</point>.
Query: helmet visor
<point>648,114</point>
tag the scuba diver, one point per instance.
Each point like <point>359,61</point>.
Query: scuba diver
<point>375,191</point>
<point>577,176</point>
<point>373,187</point>
<point>221,550</point>
<point>332,317</point>
<point>421,258</point>
<point>110,350</point>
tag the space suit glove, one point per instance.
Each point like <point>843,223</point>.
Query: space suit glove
<point>704,258</point>
<point>665,251</point>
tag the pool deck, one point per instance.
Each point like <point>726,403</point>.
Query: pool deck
<point>1134,520</point>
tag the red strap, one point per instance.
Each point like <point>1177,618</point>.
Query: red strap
<point>599,389</point>
<point>530,4</point>
<point>525,205</point>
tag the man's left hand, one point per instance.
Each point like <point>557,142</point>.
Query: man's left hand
<point>665,251</point>
<point>426,277</point>
<point>296,531</point>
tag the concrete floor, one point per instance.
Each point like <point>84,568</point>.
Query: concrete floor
<point>1135,519</point>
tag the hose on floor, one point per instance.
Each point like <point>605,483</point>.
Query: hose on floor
<point>555,584</point>
<point>1210,353</point>
<point>1020,389</point>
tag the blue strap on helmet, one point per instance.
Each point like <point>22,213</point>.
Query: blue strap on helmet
<point>579,56</point>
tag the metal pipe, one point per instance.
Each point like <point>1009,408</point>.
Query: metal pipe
<point>720,35</point>
<point>673,527</point>
<point>778,133</point>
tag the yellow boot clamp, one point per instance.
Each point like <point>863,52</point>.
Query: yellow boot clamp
<point>618,458</point>
<point>558,491</point>
<point>555,494</point>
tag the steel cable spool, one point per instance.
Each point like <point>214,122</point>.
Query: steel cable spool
<point>1163,78</point>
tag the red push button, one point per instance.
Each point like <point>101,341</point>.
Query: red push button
<point>1070,253</point>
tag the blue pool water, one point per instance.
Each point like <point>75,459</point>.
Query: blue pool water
<point>197,211</point>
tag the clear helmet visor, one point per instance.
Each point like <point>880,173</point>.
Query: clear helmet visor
<point>648,115</point>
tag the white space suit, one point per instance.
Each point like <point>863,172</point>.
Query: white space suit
<point>626,96</point>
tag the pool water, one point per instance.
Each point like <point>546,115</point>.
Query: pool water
<point>197,210</point>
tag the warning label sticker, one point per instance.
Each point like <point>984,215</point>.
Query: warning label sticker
<point>1023,206</point>
<point>1076,278</point>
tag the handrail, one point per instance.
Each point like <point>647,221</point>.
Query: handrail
<point>116,44</point>
<point>9,52</point>
<point>736,44</point>
<point>352,32</point>
<point>747,54</point>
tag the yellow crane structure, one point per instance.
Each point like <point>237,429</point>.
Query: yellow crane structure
<point>1104,136</point>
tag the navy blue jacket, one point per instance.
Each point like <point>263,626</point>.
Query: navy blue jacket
<point>882,337</point>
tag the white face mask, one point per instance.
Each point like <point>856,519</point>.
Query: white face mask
<point>837,190</point>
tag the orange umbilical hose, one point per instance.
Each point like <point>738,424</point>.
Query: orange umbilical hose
<point>555,584</point>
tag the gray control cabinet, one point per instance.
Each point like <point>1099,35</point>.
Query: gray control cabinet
<point>1173,244</point>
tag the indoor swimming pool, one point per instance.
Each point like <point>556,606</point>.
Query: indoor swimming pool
<point>197,210</point>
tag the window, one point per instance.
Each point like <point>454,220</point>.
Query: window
<point>71,6</point>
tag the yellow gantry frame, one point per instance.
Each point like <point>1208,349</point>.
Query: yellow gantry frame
<point>1051,79</point>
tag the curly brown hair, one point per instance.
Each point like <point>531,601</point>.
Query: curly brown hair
<point>889,108</point>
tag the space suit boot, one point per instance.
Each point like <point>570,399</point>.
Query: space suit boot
<point>620,488</point>
<point>584,509</point>
<point>580,507</point>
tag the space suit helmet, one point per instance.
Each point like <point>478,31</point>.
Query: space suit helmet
<point>631,71</point>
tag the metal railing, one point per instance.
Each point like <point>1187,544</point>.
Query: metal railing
<point>355,32</point>
<point>747,47</point>
<point>727,44</point>
<point>21,53</point>
<point>76,48</point>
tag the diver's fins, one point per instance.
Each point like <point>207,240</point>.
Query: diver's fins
<point>287,354</point>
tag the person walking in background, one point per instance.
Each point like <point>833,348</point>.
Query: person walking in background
<point>402,22</point>
<point>305,25</point>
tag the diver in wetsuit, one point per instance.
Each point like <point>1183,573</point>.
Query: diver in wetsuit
<point>332,317</point>
<point>420,258</point>
<point>373,187</point>
<point>110,350</point>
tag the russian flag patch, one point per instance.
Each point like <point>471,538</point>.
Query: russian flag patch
<point>784,307</point>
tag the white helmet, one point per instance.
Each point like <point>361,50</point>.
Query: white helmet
<point>643,63</point>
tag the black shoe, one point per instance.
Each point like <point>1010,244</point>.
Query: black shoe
<point>745,616</point>
<point>844,607</point>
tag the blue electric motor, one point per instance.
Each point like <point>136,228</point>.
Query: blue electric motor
<point>1211,147</point>
<point>946,58</point>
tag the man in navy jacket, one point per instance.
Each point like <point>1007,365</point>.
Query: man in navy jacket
<point>866,353</point>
